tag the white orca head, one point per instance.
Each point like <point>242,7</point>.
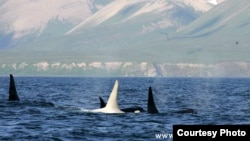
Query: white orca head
<point>112,105</point>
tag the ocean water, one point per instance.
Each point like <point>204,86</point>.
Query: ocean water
<point>51,108</point>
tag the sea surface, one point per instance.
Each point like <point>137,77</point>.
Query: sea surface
<point>51,108</point>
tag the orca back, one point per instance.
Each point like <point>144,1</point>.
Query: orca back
<point>12,90</point>
<point>133,109</point>
<point>151,104</point>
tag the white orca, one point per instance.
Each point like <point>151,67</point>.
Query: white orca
<point>112,105</point>
<point>151,105</point>
<point>135,109</point>
<point>12,90</point>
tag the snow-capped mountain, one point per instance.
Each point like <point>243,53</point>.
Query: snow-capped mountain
<point>171,32</point>
<point>35,18</point>
<point>25,21</point>
<point>127,24</point>
<point>125,10</point>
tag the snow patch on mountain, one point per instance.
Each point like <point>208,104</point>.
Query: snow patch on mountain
<point>214,2</point>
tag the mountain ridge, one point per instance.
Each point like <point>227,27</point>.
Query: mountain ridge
<point>172,32</point>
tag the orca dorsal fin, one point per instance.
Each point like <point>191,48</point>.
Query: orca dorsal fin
<point>112,104</point>
<point>151,104</point>
<point>12,90</point>
<point>102,103</point>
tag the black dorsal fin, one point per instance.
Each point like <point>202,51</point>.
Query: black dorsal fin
<point>12,90</point>
<point>151,104</point>
<point>102,103</point>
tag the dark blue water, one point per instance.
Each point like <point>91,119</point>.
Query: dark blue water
<point>51,108</point>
